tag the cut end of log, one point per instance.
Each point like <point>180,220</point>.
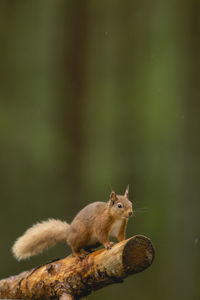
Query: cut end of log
<point>138,254</point>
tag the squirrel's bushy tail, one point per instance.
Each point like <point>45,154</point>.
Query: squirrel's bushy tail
<point>39,237</point>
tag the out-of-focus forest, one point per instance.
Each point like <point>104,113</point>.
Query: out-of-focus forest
<point>96,94</point>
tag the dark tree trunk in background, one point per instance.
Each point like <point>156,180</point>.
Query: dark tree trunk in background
<point>73,88</point>
<point>191,171</point>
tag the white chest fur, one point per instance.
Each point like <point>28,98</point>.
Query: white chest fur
<point>115,228</point>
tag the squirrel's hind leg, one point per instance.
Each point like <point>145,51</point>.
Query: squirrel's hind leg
<point>78,239</point>
<point>78,249</point>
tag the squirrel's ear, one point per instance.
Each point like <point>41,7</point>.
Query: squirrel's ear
<point>126,191</point>
<point>113,197</point>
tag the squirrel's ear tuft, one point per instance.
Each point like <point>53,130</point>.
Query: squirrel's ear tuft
<point>113,197</point>
<point>126,194</point>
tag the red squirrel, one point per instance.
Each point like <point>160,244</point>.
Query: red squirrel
<point>90,228</point>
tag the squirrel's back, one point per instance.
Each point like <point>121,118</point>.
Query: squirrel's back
<point>39,237</point>
<point>89,213</point>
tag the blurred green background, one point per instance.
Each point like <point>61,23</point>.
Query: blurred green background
<point>100,93</point>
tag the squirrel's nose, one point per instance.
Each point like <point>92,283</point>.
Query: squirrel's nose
<point>130,213</point>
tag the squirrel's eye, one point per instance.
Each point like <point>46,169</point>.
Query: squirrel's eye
<point>119,205</point>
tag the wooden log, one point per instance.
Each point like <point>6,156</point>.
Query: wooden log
<point>72,278</point>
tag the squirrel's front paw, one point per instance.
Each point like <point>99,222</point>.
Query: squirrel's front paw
<point>109,245</point>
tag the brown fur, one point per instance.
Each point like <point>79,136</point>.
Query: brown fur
<point>91,227</point>
<point>121,235</point>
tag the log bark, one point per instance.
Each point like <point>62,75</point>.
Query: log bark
<point>72,278</point>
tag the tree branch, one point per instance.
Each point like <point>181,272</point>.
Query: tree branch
<point>71,278</point>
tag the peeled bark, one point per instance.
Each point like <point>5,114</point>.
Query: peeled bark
<point>71,277</point>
